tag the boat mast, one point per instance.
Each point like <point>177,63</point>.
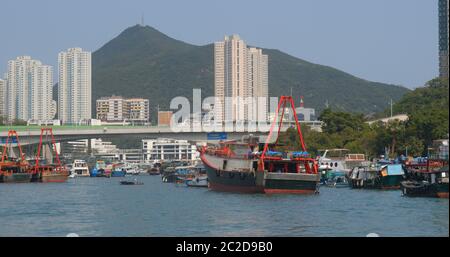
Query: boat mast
<point>283,101</point>
<point>47,131</point>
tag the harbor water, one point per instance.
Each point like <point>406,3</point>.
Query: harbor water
<point>103,207</point>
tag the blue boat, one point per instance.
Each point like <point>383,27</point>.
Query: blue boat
<point>118,171</point>
<point>99,169</point>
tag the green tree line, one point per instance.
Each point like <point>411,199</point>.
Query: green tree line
<point>426,107</point>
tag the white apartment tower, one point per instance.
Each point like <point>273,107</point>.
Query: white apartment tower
<point>74,87</point>
<point>258,80</point>
<point>239,73</point>
<point>29,90</point>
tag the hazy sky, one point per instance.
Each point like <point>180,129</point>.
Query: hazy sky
<point>391,41</point>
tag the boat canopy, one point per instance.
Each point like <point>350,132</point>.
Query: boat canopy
<point>395,169</point>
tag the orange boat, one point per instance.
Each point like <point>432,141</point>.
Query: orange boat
<point>14,170</point>
<point>50,172</point>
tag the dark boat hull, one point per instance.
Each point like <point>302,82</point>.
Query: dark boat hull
<point>233,181</point>
<point>420,189</point>
<point>16,178</point>
<point>386,183</point>
<point>291,183</point>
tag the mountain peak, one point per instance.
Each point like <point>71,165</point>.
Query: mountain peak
<point>142,61</point>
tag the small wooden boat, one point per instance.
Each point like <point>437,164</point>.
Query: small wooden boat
<point>198,181</point>
<point>125,182</point>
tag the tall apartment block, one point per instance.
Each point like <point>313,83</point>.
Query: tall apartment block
<point>74,87</point>
<point>29,90</point>
<point>238,72</point>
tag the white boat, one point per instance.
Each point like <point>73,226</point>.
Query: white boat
<point>198,181</point>
<point>131,169</point>
<point>340,160</point>
<point>80,168</point>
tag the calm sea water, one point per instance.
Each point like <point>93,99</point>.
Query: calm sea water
<point>102,207</point>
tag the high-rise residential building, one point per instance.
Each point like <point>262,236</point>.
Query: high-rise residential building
<point>443,38</point>
<point>29,90</point>
<point>74,86</point>
<point>118,109</point>
<point>2,97</point>
<point>239,72</point>
<point>257,77</point>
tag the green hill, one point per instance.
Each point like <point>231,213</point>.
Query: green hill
<point>142,61</point>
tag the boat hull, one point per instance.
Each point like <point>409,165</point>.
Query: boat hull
<point>118,174</point>
<point>233,181</point>
<point>16,178</point>
<point>418,189</point>
<point>54,177</point>
<point>385,183</point>
<point>291,183</point>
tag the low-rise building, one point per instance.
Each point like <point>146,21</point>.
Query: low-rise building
<point>168,149</point>
<point>164,118</point>
<point>119,109</point>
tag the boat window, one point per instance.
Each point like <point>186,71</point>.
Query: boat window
<point>335,164</point>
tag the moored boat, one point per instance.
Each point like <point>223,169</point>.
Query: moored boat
<point>80,168</point>
<point>432,183</point>
<point>45,169</point>
<point>376,177</point>
<point>12,169</point>
<point>198,181</point>
<point>118,170</point>
<point>251,167</point>
<point>14,173</point>
<point>99,170</point>
<point>53,173</point>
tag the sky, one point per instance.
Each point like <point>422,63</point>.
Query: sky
<point>389,41</point>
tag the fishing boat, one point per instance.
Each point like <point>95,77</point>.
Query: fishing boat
<point>47,170</point>
<point>376,177</point>
<point>198,181</point>
<point>118,170</point>
<point>153,171</point>
<point>99,170</point>
<point>428,176</point>
<point>333,178</point>
<point>80,168</point>
<point>250,166</point>
<point>427,183</point>
<point>12,169</point>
